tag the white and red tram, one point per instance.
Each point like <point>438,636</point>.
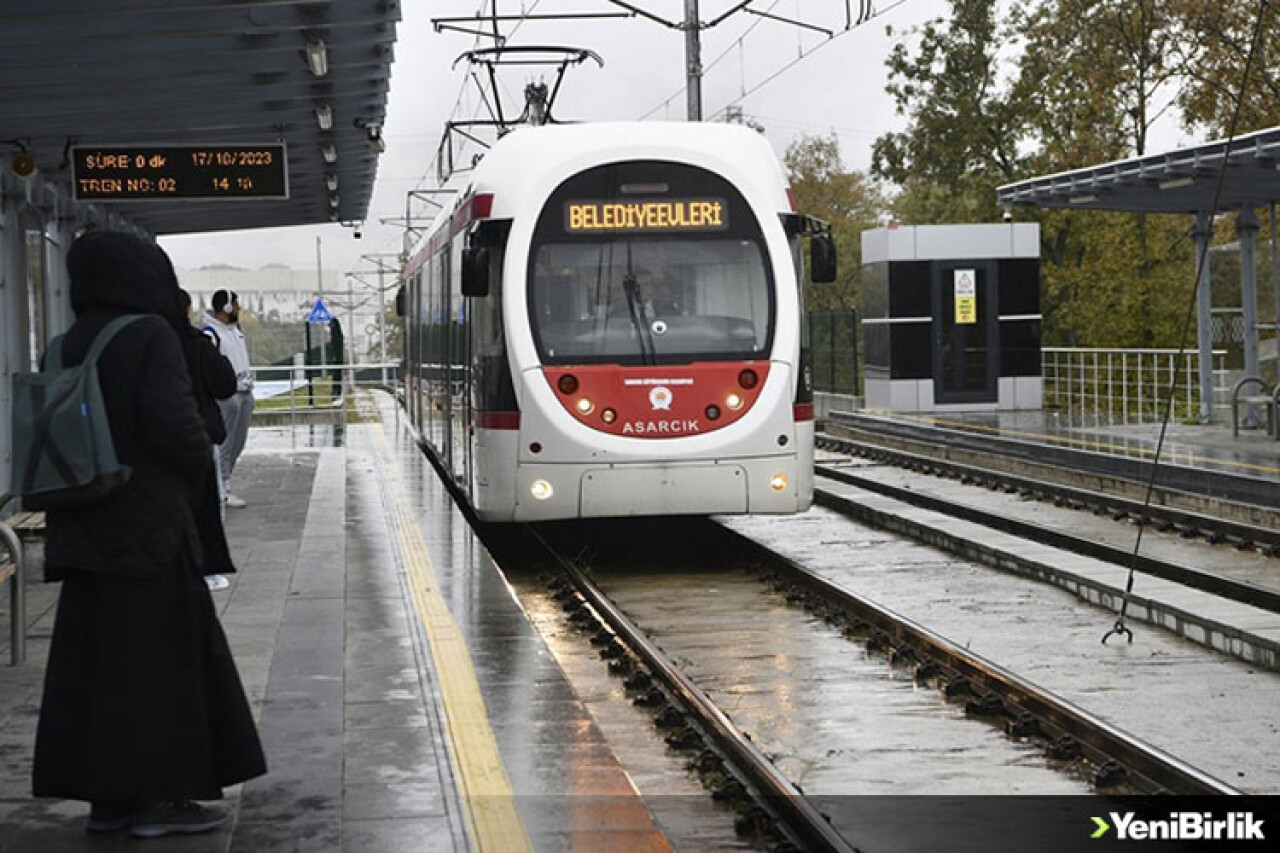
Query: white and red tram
<point>609,323</point>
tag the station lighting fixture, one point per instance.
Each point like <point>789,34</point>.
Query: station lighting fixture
<point>329,153</point>
<point>318,57</point>
<point>324,117</point>
<point>1176,183</point>
<point>331,181</point>
<point>334,201</point>
<point>1082,199</point>
<point>541,490</point>
<point>373,130</point>
<point>23,165</point>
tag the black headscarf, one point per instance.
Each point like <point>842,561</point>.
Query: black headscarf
<point>122,273</point>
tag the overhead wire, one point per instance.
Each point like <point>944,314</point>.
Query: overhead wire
<point>1119,627</point>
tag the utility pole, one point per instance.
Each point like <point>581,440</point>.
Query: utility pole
<point>692,61</point>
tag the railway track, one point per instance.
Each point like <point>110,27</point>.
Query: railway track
<point>1079,742</point>
<point>1217,584</point>
<point>1192,499</point>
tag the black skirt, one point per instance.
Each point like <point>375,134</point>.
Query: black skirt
<point>141,697</point>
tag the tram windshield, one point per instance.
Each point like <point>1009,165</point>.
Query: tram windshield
<point>653,279</point>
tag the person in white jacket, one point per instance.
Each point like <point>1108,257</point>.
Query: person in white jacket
<point>223,324</point>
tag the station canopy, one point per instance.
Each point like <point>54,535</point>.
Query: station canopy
<point>313,74</point>
<point>1180,181</point>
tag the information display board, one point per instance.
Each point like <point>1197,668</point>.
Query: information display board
<point>104,173</point>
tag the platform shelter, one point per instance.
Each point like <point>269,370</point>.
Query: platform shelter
<point>275,109</point>
<point>1205,181</point>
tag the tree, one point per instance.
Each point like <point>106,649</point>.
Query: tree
<point>965,118</point>
<point>847,199</point>
<point>393,323</point>
<point>1098,74</point>
<point>1216,46</point>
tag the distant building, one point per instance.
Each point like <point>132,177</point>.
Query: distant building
<point>280,294</point>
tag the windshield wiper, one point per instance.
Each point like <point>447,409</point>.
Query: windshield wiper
<point>635,305</point>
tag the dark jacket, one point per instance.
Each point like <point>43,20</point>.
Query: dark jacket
<point>212,379</point>
<point>140,529</point>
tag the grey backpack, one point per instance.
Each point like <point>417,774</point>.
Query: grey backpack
<point>63,455</point>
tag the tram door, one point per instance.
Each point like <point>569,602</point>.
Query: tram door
<point>966,347</point>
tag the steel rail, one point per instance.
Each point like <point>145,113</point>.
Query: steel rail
<point>808,824</point>
<point>1152,768</point>
<point>1060,452</point>
<point>1183,520</point>
<point>1224,587</point>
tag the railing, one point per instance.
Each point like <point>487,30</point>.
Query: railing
<point>833,345</point>
<point>313,393</point>
<point>1129,385</point>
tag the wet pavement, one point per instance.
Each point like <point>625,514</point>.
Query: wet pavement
<point>362,602</point>
<point>1204,707</point>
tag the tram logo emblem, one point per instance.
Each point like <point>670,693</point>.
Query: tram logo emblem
<point>660,398</point>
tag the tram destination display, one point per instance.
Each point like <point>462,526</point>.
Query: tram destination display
<point>645,215</point>
<point>104,173</point>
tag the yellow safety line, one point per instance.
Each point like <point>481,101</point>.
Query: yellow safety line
<point>488,801</point>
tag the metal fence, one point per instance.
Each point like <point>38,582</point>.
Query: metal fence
<point>833,344</point>
<point>1130,384</point>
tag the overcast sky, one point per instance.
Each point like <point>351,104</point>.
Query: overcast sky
<point>839,89</point>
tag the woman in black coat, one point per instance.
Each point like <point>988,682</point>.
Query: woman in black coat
<point>212,379</point>
<point>143,710</point>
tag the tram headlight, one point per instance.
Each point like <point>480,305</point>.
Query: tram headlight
<point>713,412</point>
<point>748,379</point>
<point>778,482</point>
<point>568,383</point>
<point>585,406</point>
<point>541,490</point>
<point>733,401</point>
<point>608,416</point>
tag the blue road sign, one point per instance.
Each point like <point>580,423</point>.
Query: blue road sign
<point>319,313</point>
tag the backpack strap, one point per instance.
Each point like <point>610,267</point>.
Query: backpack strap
<point>108,332</point>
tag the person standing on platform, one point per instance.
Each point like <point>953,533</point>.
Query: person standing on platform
<point>143,711</point>
<point>212,379</point>
<point>223,321</point>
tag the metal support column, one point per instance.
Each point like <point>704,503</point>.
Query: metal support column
<point>1201,233</point>
<point>1247,226</point>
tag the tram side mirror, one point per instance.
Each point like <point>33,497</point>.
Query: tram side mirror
<point>475,271</point>
<point>822,258</point>
<point>400,302</point>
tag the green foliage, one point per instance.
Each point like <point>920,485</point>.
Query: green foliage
<point>997,92</point>
<point>847,199</point>
<point>394,325</point>
<point>271,341</point>
<point>965,118</point>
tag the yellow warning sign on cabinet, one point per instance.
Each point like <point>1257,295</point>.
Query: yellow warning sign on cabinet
<point>966,296</point>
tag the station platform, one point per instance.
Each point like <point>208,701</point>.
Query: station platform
<point>393,675</point>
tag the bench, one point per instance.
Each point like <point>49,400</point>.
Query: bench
<point>1267,398</point>
<point>15,533</point>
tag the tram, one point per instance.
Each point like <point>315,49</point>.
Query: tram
<point>608,322</point>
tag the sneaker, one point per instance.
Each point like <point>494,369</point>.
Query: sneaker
<point>110,817</point>
<point>216,582</point>
<point>176,816</point>
<point>234,502</point>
